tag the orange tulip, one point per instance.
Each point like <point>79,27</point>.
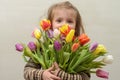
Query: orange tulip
<point>45,24</point>
<point>75,47</point>
<point>83,38</point>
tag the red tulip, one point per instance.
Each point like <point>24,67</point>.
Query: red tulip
<point>45,24</point>
<point>83,38</point>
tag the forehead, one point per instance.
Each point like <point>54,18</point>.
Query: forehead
<point>63,12</point>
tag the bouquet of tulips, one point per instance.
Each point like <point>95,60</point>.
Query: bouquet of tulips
<point>73,54</point>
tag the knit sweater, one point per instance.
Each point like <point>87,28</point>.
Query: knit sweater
<point>33,71</point>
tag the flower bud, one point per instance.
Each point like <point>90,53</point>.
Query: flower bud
<point>70,36</point>
<point>19,47</point>
<point>83,38</point>
<point>50,33</point>
<point>75,47</point>
<point>32,46</point>
<point>102,74</point>
<point>37,33</point>
<point>100,49</point>
<point>57,45</point>
<point>45,24</point>
<point>93,46</point>
<point>56,33</point>
<point>108,59</point>
<point>65,29</point>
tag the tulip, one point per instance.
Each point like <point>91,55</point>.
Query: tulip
<point>102,74</point>
<point>36,33</point>
<point>56,33</point>
<point>62,37</point>
<point>83,38</point>
<point>28,52</point>
<point>100,49</point>
<point>50,33</point>
<point>19,47</point>
<point>93,46</point>
<point>32,46</point>
<point>108,59</point>
<point>70,36</point>
<point>75,47</point>
<point>65,29</point>
<point>57,45</point>
<point>45,24</point>
<point>37,44</point>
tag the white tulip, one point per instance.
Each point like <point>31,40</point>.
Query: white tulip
<point>56,33</point>
<point>108,59</point>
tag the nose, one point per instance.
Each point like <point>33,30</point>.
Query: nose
<point>64,22</point>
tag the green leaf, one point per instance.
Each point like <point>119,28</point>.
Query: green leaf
<point>81,68</point>
<point>66,57</point>
<point>81,58</point>
<point>25,59</point>
<point>73,60</point>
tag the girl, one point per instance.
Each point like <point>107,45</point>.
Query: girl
<point>59,14</point>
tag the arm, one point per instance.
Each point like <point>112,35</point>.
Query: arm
<point>32,71</point>
<point>66,76</point>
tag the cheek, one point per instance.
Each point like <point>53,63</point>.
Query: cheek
<point>56,25</point>
<point>72,26</point>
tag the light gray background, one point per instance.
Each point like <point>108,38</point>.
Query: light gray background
<point>18,18</point>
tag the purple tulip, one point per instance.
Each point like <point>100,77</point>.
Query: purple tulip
<point>57,45</point>
<point>50,33</point>
<point>93,46</point>
<point>32,46</point>
<point>19,47</point>
<point>102,74</point>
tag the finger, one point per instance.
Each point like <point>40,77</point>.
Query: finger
<point>56,65</point>
<point>50,79</point>
<point>51,68</point>
<point>52,72</point>
<point>55,77</point>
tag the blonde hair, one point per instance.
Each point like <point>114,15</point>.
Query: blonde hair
<point>79,26</point>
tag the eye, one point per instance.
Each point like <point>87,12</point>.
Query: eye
<point>59,20</point>
<point>70,21</point>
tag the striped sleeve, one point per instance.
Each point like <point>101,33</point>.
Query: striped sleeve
<point>32,71</point>
<point>66,76</point>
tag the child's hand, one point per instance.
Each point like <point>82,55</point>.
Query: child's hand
<point>47,74</point>
<point>57,69</point>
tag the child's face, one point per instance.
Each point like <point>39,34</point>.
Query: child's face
<point>64,16</point>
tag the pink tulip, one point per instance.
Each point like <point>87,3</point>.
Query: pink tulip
<point>19,47</point>
<point>32,46</point>
<point>102,74</point>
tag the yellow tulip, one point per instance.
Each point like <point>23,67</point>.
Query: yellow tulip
<point>37,34</point>
<point>70,35</point>
<point>65,29</point>
<point>100,49</point>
